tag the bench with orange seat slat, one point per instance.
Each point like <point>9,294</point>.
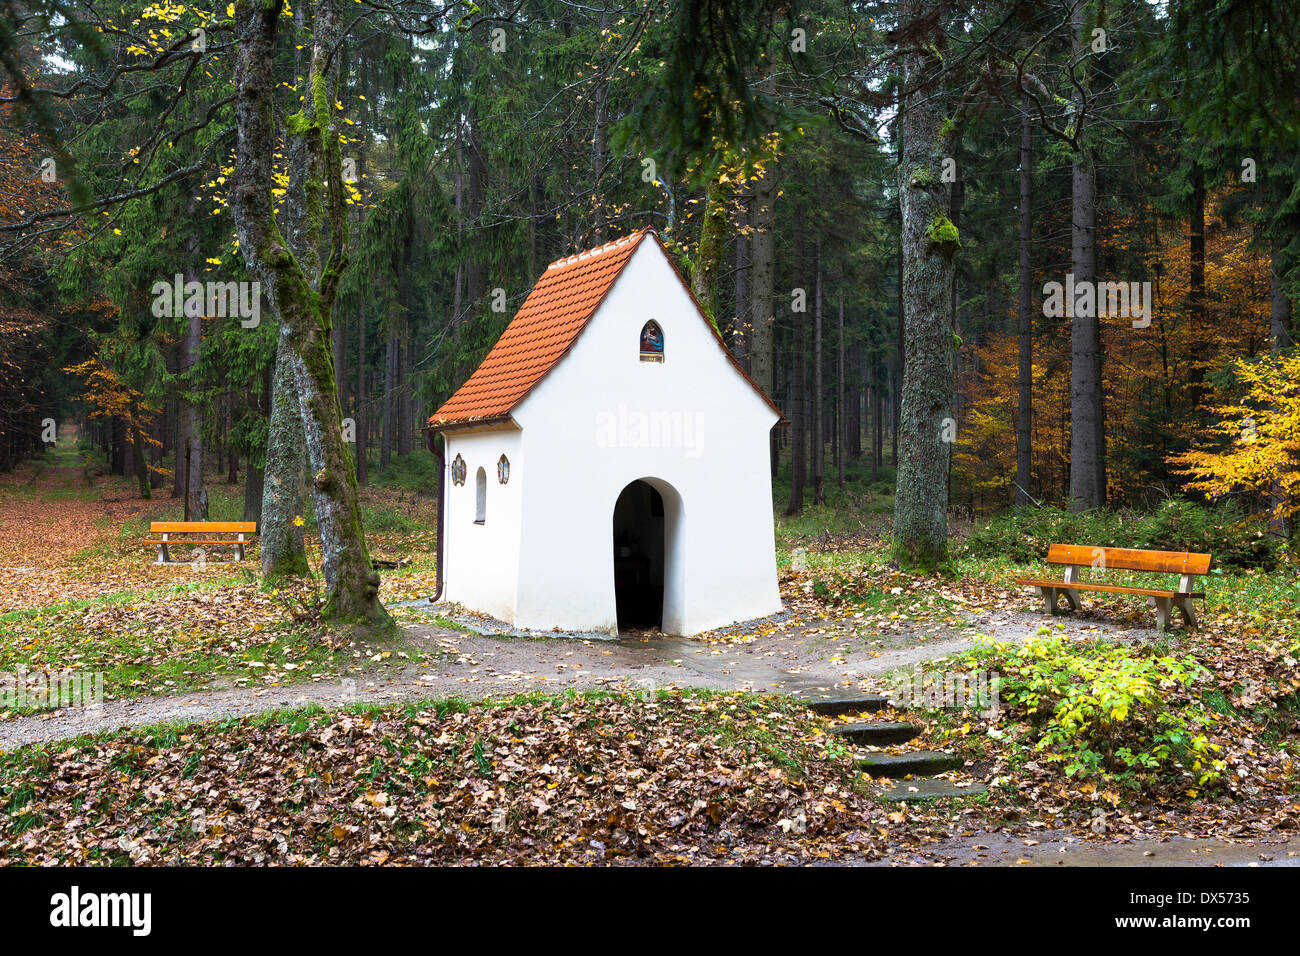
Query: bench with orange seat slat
<point>169,528</point>
<point>1187,565</point>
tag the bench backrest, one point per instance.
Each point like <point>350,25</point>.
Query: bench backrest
<point>1129,559</point>
<point>182,527</point>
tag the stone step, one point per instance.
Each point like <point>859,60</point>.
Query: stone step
<point>918,763</point>
<point>877,734</point>
<point>837,706</point>
<point>927,788</point>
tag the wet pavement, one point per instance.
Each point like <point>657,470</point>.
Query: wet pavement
<point>1059,848</point>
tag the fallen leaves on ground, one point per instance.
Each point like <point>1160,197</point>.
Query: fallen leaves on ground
<point>585,779</point>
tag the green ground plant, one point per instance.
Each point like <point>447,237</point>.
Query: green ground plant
<point>1099,709</point>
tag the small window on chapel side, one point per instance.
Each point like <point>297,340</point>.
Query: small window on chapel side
<point>652,342</point>
<point>480,497</point>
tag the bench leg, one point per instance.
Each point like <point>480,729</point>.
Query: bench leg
<point>1163,606</point>
<point>239,549</point>
<point>1071,595</point>
<point>1189,615</point>
<point>162,554</point>
<point>1052,599</point>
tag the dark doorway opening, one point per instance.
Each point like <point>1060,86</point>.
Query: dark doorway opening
<point>639,557</point>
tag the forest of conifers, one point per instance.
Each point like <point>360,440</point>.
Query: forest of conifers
<point>872,201</point>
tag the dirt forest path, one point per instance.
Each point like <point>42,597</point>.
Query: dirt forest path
<point>50,512</point>
<point>49,498</point>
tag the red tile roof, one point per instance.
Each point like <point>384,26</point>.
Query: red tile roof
<point>544,329</point>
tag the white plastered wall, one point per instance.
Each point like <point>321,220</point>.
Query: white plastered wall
<point>691,426</point>
<point>483,559</point>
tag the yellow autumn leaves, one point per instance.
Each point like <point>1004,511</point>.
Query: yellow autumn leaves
<point>1255,445</point>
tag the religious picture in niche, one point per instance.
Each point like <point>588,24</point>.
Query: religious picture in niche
<point>503,469</point>
<point>458,471</point>
<point>652,342</point>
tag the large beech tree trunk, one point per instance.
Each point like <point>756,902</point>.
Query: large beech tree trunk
<point>304,312</point>
<point>929,243</point>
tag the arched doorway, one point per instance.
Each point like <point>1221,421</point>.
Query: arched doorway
<point>640,556</point>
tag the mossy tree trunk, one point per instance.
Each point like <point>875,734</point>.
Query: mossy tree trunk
<point>283,541</point>
<point>283,547</point>
<point>304,311</point>
<point>929,242</point>
<point>708,256</point>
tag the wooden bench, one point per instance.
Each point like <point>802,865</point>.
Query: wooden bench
<point>1079,556</point>
<point>169,528</point>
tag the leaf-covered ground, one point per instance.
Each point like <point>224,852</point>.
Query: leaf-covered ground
<point>80,591</point>
<point>582,779</point>
<point>673,778</point>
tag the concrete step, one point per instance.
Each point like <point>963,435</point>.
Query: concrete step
<point>926,788</point>
<point>918,763</point>
<point>877,734</point>
<point>836,706</point>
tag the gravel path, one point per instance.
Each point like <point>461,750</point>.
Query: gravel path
<point>475,666</point>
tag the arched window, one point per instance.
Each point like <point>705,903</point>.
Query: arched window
<point>480,497</point>
<point>652,342</point>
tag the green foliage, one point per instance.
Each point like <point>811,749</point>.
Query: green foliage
<point>382,520</point>
<point>415,472</point>
<point>706,93</point>
<point>860,504</point>
<point>1101,709</point>
<point>1022,535</point>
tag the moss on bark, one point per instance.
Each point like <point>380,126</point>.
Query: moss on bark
<point>352,586</point>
